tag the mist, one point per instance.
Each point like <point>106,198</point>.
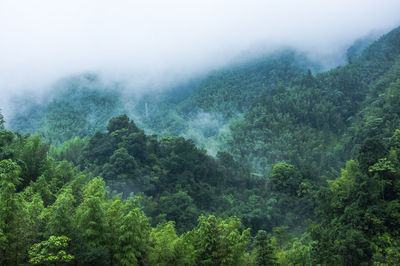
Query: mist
<point>152,44</point>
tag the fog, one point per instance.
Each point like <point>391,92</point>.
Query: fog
<point>152,43</point>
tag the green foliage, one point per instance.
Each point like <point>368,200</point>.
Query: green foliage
<point>292,127</point>
<point>321,120</point>
<point>81,106</point>
<point>264,251</point>
<point>297,252</point>
<point>10,212</point>
<point>7,149</point>
<point>60,214</point>
<point>121,122</point>
<point>178,207</point>
<point>70,150</point>
<point>358,210</point>
<point>284,178</point>
<point>51,252</point>
<point>167,248</point>
<point>293,194</point>
<point>178,178</point>
<point>33,158</point>
<point>90,214</point>
<point>219,242</point>
<point>234,90</point>
<point>370,151</point>
<point>33,221</point>
<point>133,233</point>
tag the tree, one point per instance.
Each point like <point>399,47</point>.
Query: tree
<point>34,223</point>
<point>121,122</point>
<point>133,235</point>
<point>60,214</point>
<point>299,253</point>
<point>284,178</point>
<point>33,159</point>
<point>136,145</point>
<point>371,150</point>
<point>163,246</point>
<point>114,214</point>
<point>10,212</point>
<point>264,250</point>
<point>7,151</point>
<point>91,224</point>
<point>99,149</point>
<point>179,207</point>
<point>121,166</point>
<point>71,150</point>
<point>219,242</point>
<point>53,251</point>
<point>62,174</point>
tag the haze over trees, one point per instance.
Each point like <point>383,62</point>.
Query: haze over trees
<point>289,165</point>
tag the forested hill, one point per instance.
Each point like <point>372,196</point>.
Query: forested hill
<point>262,111</point>
<point>320,120</point>
<point>77,106</point>
<point>309,172</point>
<point>233,90</point>
<point>54,213</point>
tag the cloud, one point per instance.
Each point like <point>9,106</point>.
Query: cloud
<point>44,40</point>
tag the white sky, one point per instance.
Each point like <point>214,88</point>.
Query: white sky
<point>44,40</point>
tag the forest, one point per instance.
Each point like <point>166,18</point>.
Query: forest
<point>272,161</point>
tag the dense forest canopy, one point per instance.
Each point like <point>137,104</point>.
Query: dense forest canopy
<point>288,165</point>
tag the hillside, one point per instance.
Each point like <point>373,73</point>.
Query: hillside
<point>269,111</point>
<point>199,109</point>
<point>262,111</point>
<point>306,168</point>
<point>77,106</point>
<point>321,120</point>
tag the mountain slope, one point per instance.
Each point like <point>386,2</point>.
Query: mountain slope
<point>262,111</point>
<point>209,104</point>
<point>81,106</point>
<point>318,120</point>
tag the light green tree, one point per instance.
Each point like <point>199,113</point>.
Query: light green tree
<point>91,224</point>
<point>219,242</point>
<point>133,235</point>
<point>60,214</point>
<point>51,252</point>
<point>167,248</point>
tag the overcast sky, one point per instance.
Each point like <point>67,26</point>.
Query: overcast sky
<point>44,40</point>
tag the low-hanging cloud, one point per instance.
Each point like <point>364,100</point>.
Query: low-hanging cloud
<point>44,40</point>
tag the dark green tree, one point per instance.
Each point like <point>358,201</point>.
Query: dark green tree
<point>370,151</point>
<point>264,250</point>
